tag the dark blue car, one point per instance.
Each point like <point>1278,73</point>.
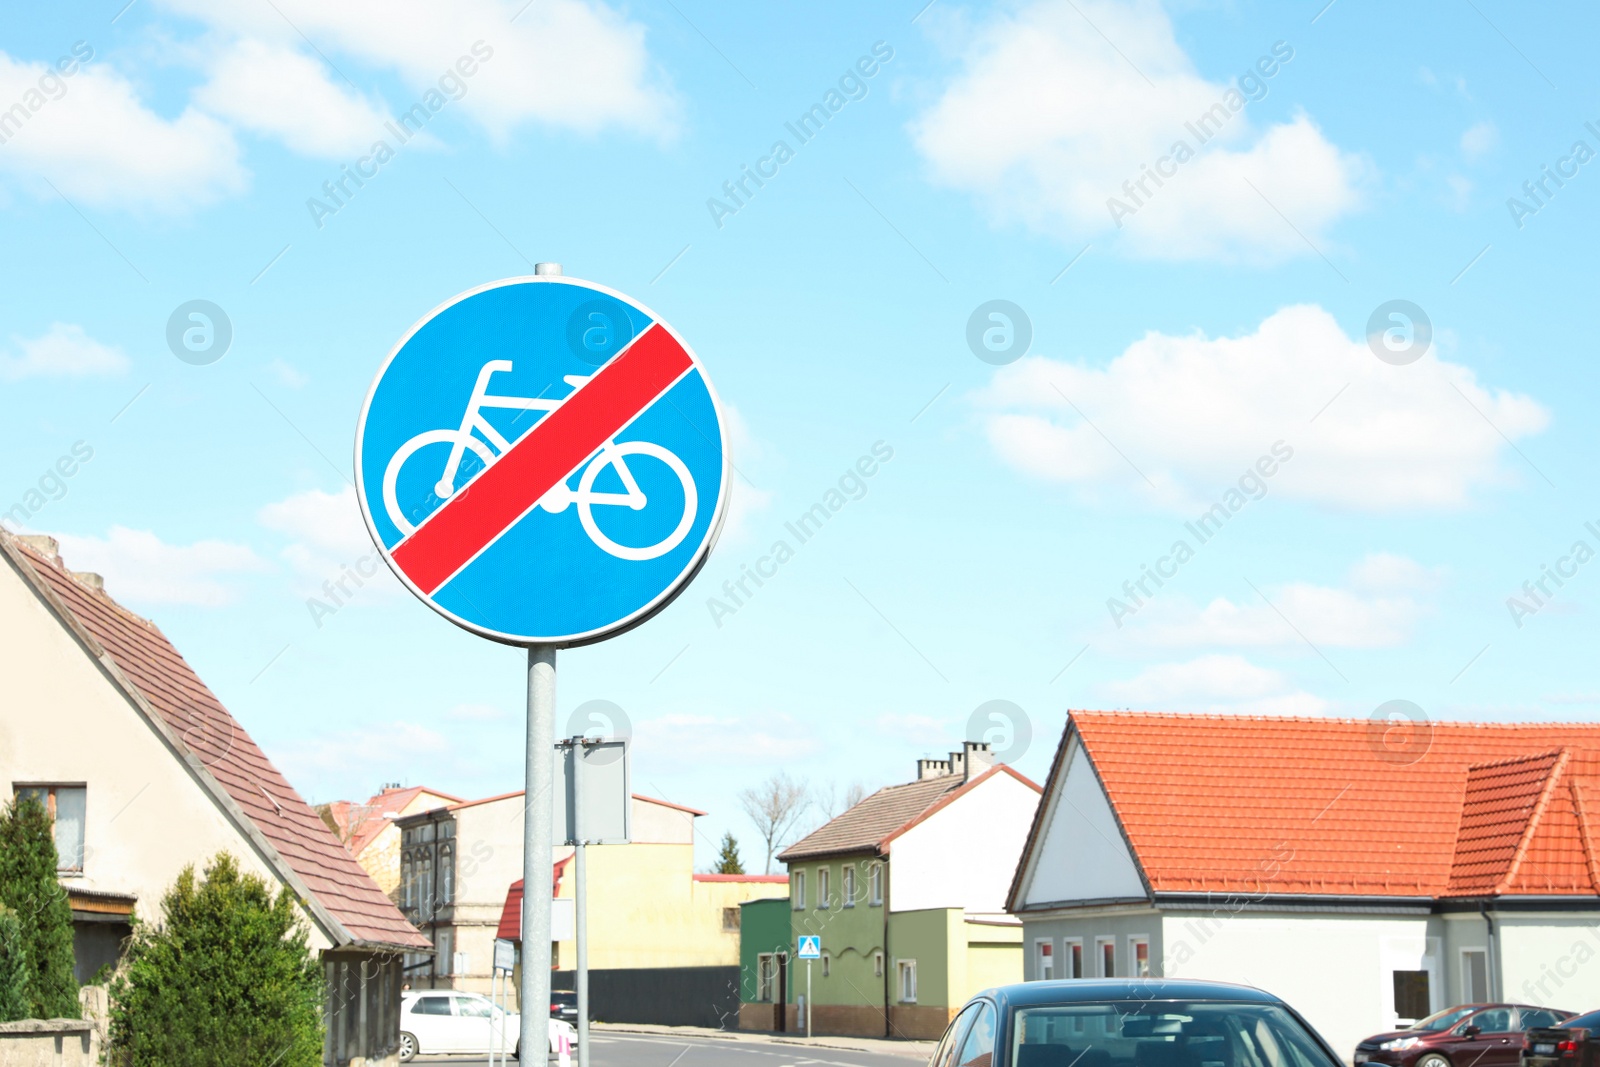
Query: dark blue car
<point>1130,1022</point>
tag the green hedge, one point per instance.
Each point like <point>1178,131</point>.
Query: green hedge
<point>28,888</point>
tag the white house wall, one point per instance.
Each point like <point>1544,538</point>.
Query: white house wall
<point>1336,970</point>
<point>964,855</point>
<point>1081,854</point>
<point>64,723</point>
<point>1553,960</point>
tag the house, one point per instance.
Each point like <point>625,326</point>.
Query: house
<point>146,772</point>
<point>664,941</point>
<point>907,890</point>
<point>1367,880</point>
<point>764,951</point>
<point>649,912</point>
<point>369,832</point>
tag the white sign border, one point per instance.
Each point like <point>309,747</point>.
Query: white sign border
<point>642,614</point>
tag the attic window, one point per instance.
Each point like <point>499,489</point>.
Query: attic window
<point>66,805</point>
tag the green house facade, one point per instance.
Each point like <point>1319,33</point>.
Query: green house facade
<point>906,891</point>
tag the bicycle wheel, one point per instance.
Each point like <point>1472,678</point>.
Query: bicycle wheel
<point>391,474</point>
<point>586,505</point>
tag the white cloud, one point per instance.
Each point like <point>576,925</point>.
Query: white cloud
<point>575,64</point>
<point>96,141</point>
<point>1214,684</point>
<point>745,501</point>
<point>475,713</point>
<point>283,93</point>
<point>1194,413</point>
<point>1048,120</point>
<point>923,732</point>
<point>62,351</point>
<point>329,542</point>
<point>334,761</point>
<point>140,568</point>
<point>1479,140</point>
<point>1384,571</point>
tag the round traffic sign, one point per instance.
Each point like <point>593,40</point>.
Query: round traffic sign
<point>543,461</point>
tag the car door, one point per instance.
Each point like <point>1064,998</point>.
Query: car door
<point>1498,1042</point>
<point>429,1021</point>
<point>474,1022</point>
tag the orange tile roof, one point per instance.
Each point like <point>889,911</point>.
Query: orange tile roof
<point>1249,804</point>
<point>362,823</point>
<point>156,674</point>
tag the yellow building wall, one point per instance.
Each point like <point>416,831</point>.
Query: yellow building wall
<point>994,957</point>
<point>646,909</point>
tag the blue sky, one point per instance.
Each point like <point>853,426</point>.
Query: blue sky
<point>1181,332</point>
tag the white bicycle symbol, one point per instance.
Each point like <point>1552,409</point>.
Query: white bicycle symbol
<point>493,445</point>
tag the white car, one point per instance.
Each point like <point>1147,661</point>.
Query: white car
<point>450,1021</point>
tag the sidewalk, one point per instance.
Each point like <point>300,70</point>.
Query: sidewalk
<point>918,1051</point>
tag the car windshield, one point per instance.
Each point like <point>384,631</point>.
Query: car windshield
<point>1162,1034</point>
<point>1443,1020</point>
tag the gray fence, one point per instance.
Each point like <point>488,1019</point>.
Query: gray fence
<point>667,996</point>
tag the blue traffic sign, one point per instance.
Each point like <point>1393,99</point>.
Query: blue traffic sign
<point>543,461</point>
<point>810,947</point>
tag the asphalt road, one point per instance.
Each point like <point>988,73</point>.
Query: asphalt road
<point>620,1050</point>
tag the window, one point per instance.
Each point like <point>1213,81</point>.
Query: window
<point>447,875</point>
<point>1044,967</point>
<point>425,885</point>
<point>65,805</point>
<point>1536,1019</point>
<point>1492,1021</point>
<point>1131,1033</point>
<point>730,918</point>
<point>978,1049</point>
<point>877,965</point>
<point>766,976</point>
<point>847,883</point>
<point>474,1008</point>
<point>908,981</point>
<point>1474,975</point>
<point>797,890</point>
<point>875,885</point>
<point>408,897</point>
<point>945,1053</point>
<point>432,1006</point>
<point>1072,949</point>
<point>823,874</point>
<point>1139,952</point>
<point>1411,995</point>
<point>1106,949</point>
<point>444,944</point>
<point>827,965</point>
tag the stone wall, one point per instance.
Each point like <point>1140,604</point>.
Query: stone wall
<point>49,1043</point>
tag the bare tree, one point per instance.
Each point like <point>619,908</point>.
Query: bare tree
<point>775,806</point>
<point>833,803</point>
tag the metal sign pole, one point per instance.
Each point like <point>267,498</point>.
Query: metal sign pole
<point>582,890</point>
<point>808,999</point>
<point>536,853</point>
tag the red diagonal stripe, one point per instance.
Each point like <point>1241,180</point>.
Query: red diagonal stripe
<point>466,523</point>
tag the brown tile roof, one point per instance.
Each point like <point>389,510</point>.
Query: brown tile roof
<point>341,894</point>
<point>871,825</point>
<point>360,824</point>
<point>1250,804</point>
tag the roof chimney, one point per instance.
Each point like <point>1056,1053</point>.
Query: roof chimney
<point>89,580</point>
<point>932,768</point>
<point>45,546</point>
<point>976,758</point>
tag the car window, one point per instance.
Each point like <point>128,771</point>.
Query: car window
<point>1535,1018</point>
<point>1163,1034</point>
<point>431,1006</point>
<point>946,1051</point>
<point>1492,1020</point>
<point>473,1008</point>
<point>1443,1020</point>
<point>978,1049</point>
<point>1590,1021</point>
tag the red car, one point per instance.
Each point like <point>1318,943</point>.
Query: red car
<point>1571,1043</point>
<point>1471,1035</point>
